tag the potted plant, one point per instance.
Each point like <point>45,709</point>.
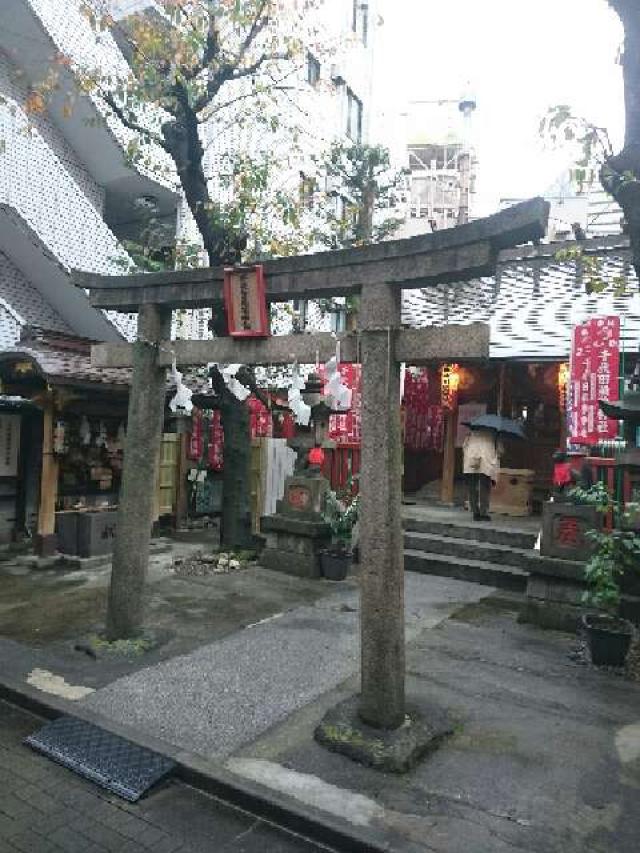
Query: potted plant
<point>341,516</point>
<point>616,554</point>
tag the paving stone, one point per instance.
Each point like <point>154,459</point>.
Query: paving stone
<point>13,806</point>
<point>69,840</point>
<point>99,834</point>
<point>167,844</point>
<point>8,826</point>
<point>30,842</point>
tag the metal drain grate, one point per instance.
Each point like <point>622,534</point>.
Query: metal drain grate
<point>108,760</point>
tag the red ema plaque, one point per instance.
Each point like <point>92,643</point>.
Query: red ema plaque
<point>245,302</point>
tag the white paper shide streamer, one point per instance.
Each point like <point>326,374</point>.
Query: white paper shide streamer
<point>335,388</point>
<point>181,401</point>
<point>234,386</point>
<point>301,411</point>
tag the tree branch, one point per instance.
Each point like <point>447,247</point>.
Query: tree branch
<point>249,70</point>
<point>219,107</point>
<point>129,122</point>
<point>259,23</point>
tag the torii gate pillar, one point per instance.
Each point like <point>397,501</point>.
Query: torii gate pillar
<point>137,493</point>
<point>382,591</point>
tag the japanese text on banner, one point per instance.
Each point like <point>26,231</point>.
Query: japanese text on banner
<point>595,365</point>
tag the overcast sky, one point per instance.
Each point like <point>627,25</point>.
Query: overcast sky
<point>521,56</point>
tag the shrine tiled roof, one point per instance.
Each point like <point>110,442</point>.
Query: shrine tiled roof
<point>63,359</point>
<point>535,299</point>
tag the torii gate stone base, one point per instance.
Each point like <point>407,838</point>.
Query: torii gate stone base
<point>377,727</point>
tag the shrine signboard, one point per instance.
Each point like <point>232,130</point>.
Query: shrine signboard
<point>245,302</point>
<point>595,369</point>
<point>9,445</point>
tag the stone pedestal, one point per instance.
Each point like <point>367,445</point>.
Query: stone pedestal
<point>396,750</point>
<point>554,596</point>
<point>564,529</point>
<point>46,545</point>
<point>297,533</point>
<point>555,587</point>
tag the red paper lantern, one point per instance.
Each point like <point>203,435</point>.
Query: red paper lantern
<point>316,456</point>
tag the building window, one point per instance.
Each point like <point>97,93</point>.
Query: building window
<point>308,188</point>
<point>313,70</point>
<point>354,117</point>
<point>360,20</point>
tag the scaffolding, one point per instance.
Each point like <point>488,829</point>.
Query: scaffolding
<point>442,165</point>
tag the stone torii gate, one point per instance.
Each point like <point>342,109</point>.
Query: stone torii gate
<point>378,274</point>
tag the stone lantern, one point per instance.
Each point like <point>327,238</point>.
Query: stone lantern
<point>316,434</point>
<point>297,532</point>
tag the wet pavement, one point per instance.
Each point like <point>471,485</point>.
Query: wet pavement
<point>45,808</point>
<point>49,617</point>
<point>545,756</point>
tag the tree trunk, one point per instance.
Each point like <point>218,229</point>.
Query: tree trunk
<point>620,176</point>
<point>183,142</point>
<point>364,227</point>
<point>236,509</point>
<point>629,13</point>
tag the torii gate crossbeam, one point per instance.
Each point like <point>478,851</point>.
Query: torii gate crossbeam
<point>378,273</point>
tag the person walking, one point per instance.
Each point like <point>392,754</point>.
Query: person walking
<point>481,454</point>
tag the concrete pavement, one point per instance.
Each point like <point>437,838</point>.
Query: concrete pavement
<point>545,759</point>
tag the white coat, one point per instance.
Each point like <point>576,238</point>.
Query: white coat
<point>481,453</point>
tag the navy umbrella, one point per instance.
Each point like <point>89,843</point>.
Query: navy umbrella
<point>503,426</point>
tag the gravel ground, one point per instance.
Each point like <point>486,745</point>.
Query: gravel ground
<point>226,694</point>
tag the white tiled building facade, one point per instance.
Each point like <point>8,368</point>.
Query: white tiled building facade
<point>67,197</point>
<point>60,168</point>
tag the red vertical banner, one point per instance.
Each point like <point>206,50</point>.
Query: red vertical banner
<point>194,451</point>
<point>595,367</point>
<point>216,442</point>
<point>422,418</point>
<point>260,420</point>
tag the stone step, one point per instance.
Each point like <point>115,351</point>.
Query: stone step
<point>525,559</point>
<point>480,532</point>
<point>474,571</point>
